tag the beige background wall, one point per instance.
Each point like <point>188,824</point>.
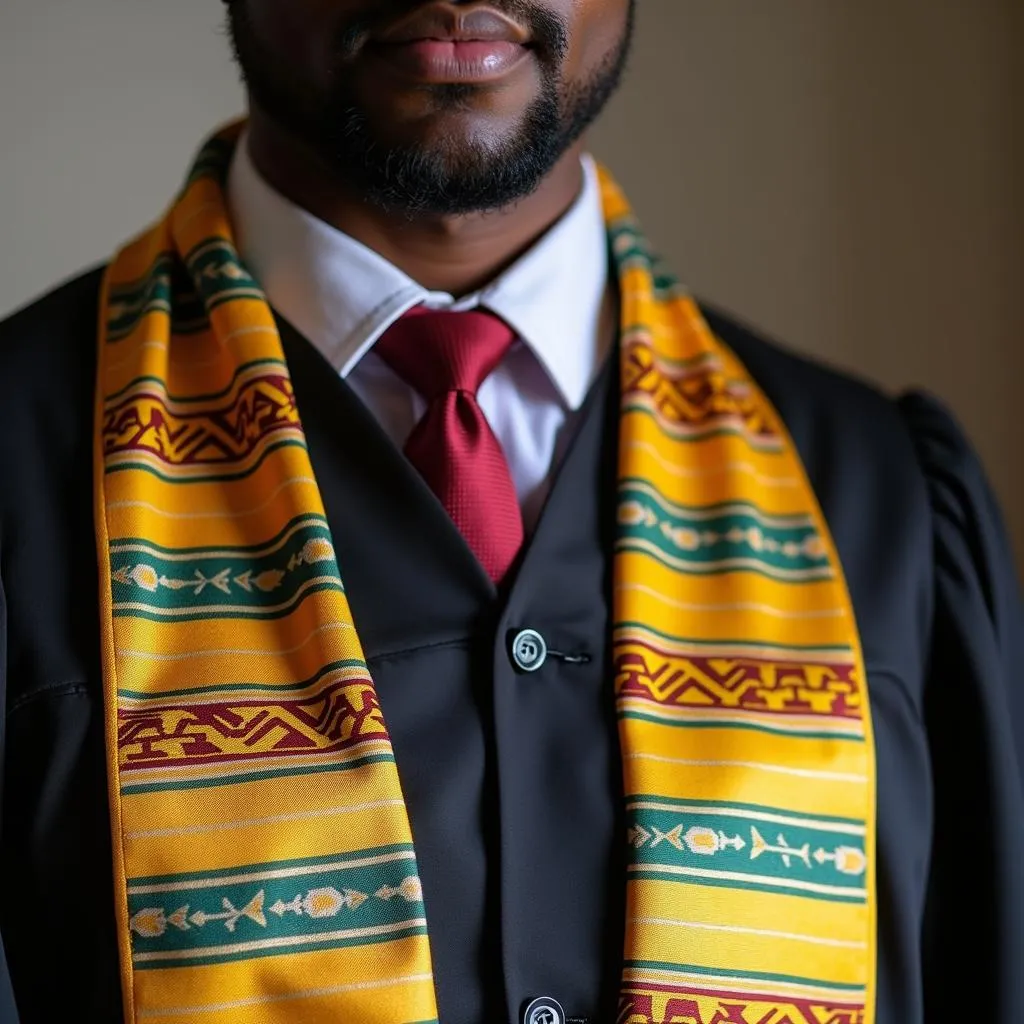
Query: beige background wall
<point>845,173</point>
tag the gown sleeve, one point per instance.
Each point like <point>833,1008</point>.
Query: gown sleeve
<point>973,928</point>
<point>8,1013</point>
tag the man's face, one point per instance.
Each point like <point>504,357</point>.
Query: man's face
<point>433,107</point>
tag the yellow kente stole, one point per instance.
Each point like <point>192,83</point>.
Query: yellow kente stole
<point>264,866</point>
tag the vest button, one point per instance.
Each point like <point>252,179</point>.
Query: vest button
<point>529,652</point>
<point>544,1010</point>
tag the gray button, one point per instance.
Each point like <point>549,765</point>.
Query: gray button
<point>544,1010</point>
<point>529,652</point>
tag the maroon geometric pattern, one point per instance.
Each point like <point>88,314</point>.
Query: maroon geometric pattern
<point>646,672</point>
<point>143,422</point>
<point>658,1004</point>
<point>176,734</point>
<point>694,399</point>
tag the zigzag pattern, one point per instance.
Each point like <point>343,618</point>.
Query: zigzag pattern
<point>339,716</point>
<point>694,400</point>
<point>145,423</point>
<point>746,684</point>
<point>691,1006</point>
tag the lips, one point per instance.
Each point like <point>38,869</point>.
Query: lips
<point>439,43</point>
<point>441,21</point>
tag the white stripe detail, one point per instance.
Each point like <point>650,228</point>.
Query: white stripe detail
<point>736,812</point>
<point>283,942</point>
<point>732,648</point>
<point>241,611</point>
<point>118,547</point>
<point>231,336</point>
<point>241,878</point>
<point>795,725</point>
<point>240,332</point>
<point>718,470</point>
<point>794,520</point>
<point>273,819</point>
<point>738,606</point>
<point>309,993</point>
<point>184,404</point>
<point>694,567</point>
<point>727,983</point>
<point>251,767</point>
<point>127,652</point>
<point>237,690</point>
<point>814,940</point>
<point>778,769</point>
<point>767,880</point>
<point>245,465</point>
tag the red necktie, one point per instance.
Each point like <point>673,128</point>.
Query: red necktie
<point>446,356</point>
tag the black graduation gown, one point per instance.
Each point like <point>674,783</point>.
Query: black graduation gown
<point>934,592</point>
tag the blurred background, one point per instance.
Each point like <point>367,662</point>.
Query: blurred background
<point>848,175</point>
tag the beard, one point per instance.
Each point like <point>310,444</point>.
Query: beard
<point>448,174</point>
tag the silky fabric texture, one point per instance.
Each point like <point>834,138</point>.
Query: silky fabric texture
<point>445,357</point>
<point>712,501</point>
<point>930,572</point>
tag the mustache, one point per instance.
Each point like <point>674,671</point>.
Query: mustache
<point>549,33</point>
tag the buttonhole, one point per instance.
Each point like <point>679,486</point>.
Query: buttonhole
<point>570,659</point>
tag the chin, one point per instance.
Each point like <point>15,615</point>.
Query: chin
<point>460,137</point>
<point>390,102</point>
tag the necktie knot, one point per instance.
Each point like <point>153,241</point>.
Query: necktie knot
<point>446,356</point>
<point>439,351</point>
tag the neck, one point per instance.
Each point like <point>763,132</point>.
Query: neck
<point>456,255</point>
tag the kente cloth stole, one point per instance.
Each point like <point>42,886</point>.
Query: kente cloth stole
<point>264,865</point>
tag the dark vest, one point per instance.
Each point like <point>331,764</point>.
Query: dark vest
<point>512,778</point>
<point>494,740</point>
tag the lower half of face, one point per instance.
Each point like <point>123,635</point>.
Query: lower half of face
<point>443,107</point>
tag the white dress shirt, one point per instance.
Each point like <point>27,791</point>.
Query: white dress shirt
<point>342,296</point>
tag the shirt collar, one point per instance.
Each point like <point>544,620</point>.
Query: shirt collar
<point>342,296</point>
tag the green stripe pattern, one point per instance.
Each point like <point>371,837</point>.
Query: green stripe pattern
<point>630,249</point>
<point>157,385</point>
<point>220,275</point>
<point>166,287</point>
<point>262,910</point>
<point>152,582</point>
<point>740,846</point>
<point>232,778</point>
<point>665,967</point>
<point>719,538</point>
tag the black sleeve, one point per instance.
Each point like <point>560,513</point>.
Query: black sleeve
<point>973,931</point>
<point>8,1013</point>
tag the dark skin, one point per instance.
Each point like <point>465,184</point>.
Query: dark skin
<point>469,108</point>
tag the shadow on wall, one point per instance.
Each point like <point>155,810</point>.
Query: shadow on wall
<point>847,176</point>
